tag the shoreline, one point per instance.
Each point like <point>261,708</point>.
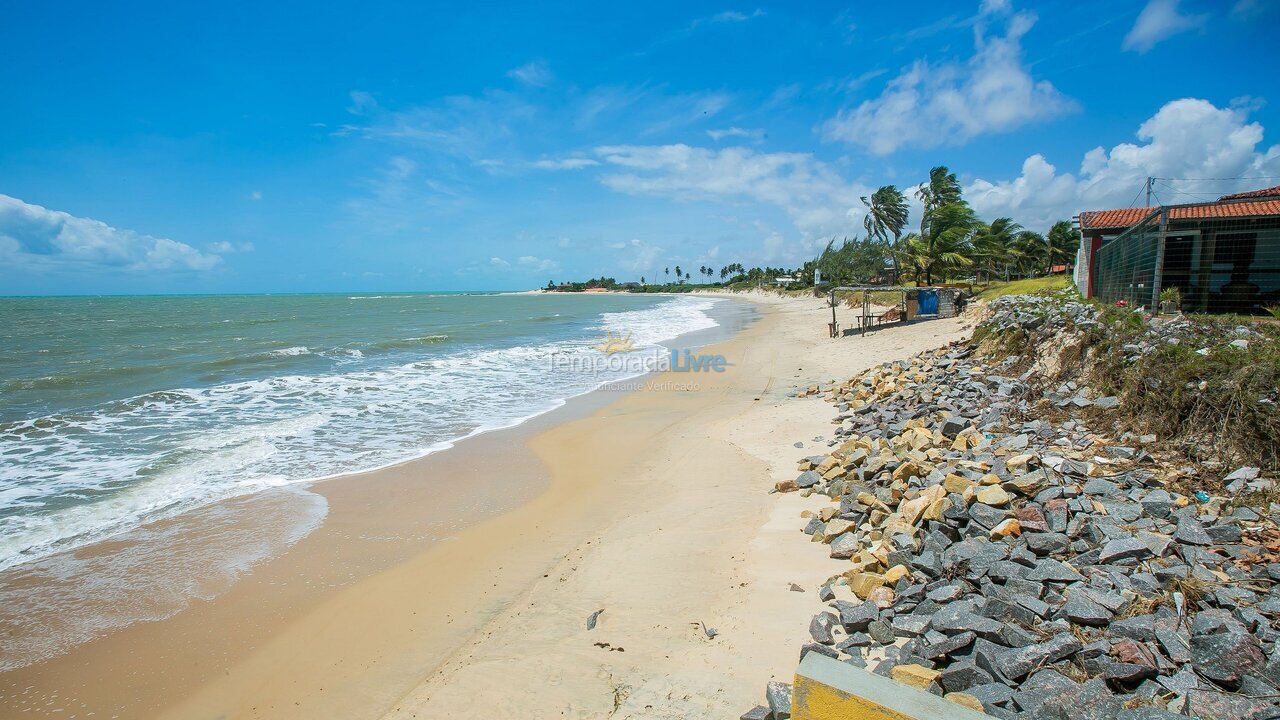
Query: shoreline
<point>417,622</point>
<point>360,537</point>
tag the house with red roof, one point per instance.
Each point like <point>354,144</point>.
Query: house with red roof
<point>1222,256</point>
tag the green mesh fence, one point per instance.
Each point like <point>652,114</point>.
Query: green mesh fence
<point>1215,264</point>
<point>1125,268</point>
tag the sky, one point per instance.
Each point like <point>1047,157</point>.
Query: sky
<point>380,146</point>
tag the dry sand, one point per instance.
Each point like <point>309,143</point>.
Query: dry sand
<point>693,537</point>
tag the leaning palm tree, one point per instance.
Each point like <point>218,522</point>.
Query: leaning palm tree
<point>887,212</point>
<point>942,188</point>
<point>997,246</point>
<point>946,243</point>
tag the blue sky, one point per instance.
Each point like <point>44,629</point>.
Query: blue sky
<point>155,147</point>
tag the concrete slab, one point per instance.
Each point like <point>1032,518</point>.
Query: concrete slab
<point>827,689</point>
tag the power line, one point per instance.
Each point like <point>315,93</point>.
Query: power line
<point>1137,195</point>
<point>1258,177</point>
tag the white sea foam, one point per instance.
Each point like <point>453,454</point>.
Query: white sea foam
<point>188,447</point>
<point>291,351</point>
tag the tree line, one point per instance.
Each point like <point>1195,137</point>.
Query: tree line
<point>951,241</point>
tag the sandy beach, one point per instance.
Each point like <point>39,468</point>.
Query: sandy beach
<point>651,505</point>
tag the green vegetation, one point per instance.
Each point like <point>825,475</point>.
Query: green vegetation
<point>1029,286</point>
<point>1209,384</point>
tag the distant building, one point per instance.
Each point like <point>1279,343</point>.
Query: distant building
<point>1222,256</point>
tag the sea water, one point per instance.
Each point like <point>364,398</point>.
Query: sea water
<point>117,412</point>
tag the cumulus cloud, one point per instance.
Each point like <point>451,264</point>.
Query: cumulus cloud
<point>932,103</point>
<point>813,195</point>
<point>41,240</point>
<point>1186,138</point>
<point>1158,21</point>
<point>536,73</point>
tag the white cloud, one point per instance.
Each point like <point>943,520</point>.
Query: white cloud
<point>814,196</point>
<point>1159,20</point>
<point>525,263</point>
<point>1186,138</point>
<point>41,240</point>
<point>530,262</point>
<point>733,16</point>
<point>571,163</point>
<point>225,247</point>
<point>255,195</point>
<point>639,256</point>
<point>755,134</point>
<point>536,73</point>
<point>929,104</point>
<point>361,103</point>
<point>1246,9</point>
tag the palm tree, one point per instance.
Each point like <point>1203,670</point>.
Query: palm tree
<point>996,245</point>
<point>677,274</point>
<point>941,189</point>
<point>642,280</point>
<point>887,212</point>
<point>1063,243</point>
<point>946,243</point>
<point>667,271</point>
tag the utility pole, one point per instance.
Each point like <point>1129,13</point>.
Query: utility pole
<point>1149,179</point>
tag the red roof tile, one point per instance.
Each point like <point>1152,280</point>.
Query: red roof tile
<point>1113,219</point>
<point>1265,192</point>
<point>1128,217</point>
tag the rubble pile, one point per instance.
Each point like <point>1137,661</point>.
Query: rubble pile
<point>995,550</point>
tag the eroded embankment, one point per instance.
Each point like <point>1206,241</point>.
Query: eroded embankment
<point>1069,516</point>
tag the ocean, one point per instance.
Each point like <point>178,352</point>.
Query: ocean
<point>116,412</point>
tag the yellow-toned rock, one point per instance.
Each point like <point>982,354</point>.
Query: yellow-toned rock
<point>1019,461</point>
<point>864,582</point>
<point>870,500</point>
<point>837,527</point>
<point>989,479</point>
<point>917,676</point>
<point>910,510</point>
<point>1006,528</point>
<point>964,699</point>
<point>955,484</point>
<point>826,513</point>
<point>992,495</point>
<point>907,470</point>
<point>937,508</point>
<point>896,573</point>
